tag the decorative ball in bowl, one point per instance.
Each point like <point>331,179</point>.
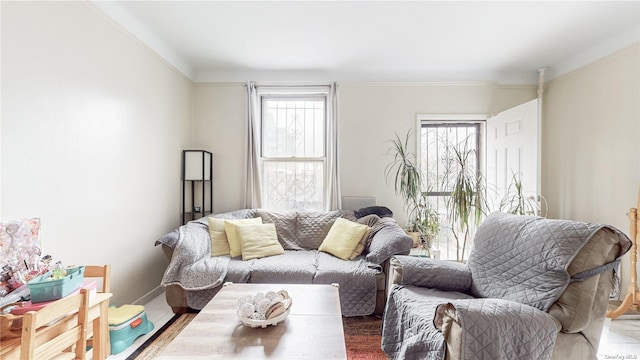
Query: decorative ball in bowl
<point>264,309</point>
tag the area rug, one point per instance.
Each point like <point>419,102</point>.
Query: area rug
<point>151,348</point>
<point>362,336</point>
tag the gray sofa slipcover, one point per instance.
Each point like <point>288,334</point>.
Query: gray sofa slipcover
<point>193,276</point>
<point>533,288</point>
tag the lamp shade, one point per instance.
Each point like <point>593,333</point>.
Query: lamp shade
<point>197,165</point>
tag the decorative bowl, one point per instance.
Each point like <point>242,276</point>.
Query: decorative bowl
<point>261,311</point>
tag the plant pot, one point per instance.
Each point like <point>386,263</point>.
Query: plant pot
<point>415,236</point>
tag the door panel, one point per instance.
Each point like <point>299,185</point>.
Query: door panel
<point>512,148</point>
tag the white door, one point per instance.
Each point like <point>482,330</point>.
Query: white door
<point>513,145</point>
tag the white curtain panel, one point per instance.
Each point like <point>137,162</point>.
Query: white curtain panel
<point>253,181</point>
<point>253,178</point>
<point>333,200</point>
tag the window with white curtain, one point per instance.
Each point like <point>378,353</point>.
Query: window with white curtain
<point>293,155</point>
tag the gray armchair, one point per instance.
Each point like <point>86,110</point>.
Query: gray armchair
<point>533,288</point>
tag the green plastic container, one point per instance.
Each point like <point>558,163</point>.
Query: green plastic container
<point>43,290</point>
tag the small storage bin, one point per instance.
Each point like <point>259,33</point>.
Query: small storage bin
<point>26,306</point>
<point>126,324</point>
<point>47,290</point>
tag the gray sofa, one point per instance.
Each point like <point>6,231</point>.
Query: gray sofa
<point>193,276</point>
<point>533,288</point>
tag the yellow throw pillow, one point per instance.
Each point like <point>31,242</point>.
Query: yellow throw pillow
<point>343,237</point>
<point>258,240</point>
<point>230,227</point>
<point>361,245</point>
<point>219,242</point>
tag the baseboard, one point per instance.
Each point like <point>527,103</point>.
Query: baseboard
<point>158,290</point>
<point>628,316</point>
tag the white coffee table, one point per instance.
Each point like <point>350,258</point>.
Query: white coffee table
<point>313,329</point>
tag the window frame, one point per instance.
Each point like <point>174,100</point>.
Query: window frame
<point>292,95</point>
<point>478,120</point>
<point>452,119</point>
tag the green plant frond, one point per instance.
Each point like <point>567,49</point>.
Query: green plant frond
<point>515,201</point>
<point>403,171</point>
<point>467,202</point>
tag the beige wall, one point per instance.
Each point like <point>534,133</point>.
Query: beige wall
<point>590,138</point>
<point>92,128</point>
<point>220,114</point>
<point>591,123</point>
<point>369,114</point>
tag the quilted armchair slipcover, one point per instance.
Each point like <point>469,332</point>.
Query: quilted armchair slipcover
<point>533,288</point>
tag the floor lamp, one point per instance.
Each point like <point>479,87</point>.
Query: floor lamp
<point>632,300</point>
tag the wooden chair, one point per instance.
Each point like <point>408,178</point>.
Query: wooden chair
<point>57,330</point>
<point>103,272</point>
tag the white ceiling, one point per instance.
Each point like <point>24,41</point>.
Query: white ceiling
<point>415,41</point>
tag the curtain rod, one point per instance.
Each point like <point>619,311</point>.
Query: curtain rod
<point>293,85</point>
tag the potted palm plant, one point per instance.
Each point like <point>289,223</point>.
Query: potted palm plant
<point>426,222</point>
<point>407,180</point>
<point>516,202</point>
<point>467,203</point>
